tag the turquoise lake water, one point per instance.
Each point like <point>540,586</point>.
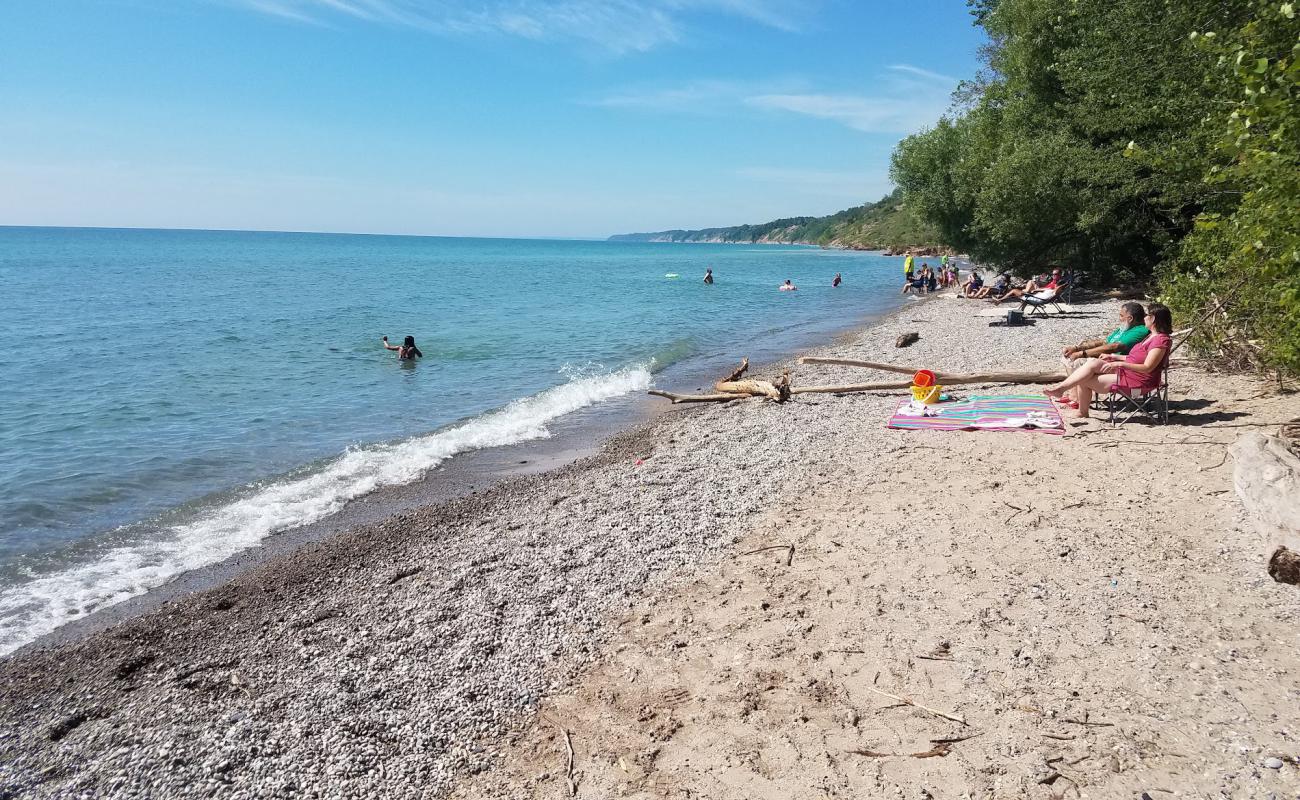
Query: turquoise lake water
<point>172,397</point>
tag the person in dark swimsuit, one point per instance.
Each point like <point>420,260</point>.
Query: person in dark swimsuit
<point>708,277</point>
<point>407,352</point>
<point>838,280</point>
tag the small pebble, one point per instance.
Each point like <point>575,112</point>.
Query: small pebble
<point>1273,762</point>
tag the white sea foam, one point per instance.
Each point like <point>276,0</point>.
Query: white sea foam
<point>36,607</point>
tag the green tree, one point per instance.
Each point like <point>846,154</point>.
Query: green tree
<point>1245,250</point>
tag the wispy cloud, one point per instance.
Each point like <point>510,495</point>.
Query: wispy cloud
<point>700,96</point>
<point>897,106</point>
<point>619,26</point>
<point>947,80</point>
<point>866,114</point>
<point>904,99</point>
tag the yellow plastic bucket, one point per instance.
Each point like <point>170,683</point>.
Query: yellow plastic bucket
<point>927,394</point>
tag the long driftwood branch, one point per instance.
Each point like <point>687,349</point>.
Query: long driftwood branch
<point>853,362</point>
<point>943,377</point>
<point>735,390</point>
<point>697,398</point>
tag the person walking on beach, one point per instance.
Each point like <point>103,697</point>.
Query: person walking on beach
<point>407,352</point>
<point>838,280</point>
<point>708,277</point>
<point>788,286</point>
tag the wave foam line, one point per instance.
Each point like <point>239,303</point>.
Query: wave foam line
<point>36,607</point>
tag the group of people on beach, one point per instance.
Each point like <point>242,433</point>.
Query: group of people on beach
<point>928,280</point>
<point>1131,359</point>
<point>1039,288</point>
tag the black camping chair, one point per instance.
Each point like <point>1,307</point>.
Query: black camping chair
<point>1124,404</point>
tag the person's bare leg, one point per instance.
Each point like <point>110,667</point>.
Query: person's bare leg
<point>1096,383</point>
<point>1086,370</point>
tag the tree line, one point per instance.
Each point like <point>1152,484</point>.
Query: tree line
<point>1154,141</point>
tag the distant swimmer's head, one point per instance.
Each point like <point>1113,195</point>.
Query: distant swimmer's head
<point>408,341</point>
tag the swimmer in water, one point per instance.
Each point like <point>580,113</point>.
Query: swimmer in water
<point>838,280</point>
<point>708,277</point>
<point>407,352</point>
<point>788,286</point>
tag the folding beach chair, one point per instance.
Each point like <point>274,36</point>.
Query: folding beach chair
<point>1124,404</point>
<point>1039,305</point>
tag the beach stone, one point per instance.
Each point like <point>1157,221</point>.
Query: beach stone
<point>1273,762</point>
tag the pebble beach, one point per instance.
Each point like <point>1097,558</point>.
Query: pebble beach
<point>433,653</point>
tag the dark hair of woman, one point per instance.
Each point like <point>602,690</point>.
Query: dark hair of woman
<point>1135,313</point>
<point>1162,317</point>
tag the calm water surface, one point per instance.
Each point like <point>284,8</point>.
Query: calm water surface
<point>168,398</point>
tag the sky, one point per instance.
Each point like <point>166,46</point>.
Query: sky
<point>565,118</point>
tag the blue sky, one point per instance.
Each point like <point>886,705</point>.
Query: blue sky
<point>484,118</point>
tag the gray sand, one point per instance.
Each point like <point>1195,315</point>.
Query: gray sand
<point>390,659</point>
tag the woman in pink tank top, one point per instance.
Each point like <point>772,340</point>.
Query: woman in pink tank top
<point>1138,371</point>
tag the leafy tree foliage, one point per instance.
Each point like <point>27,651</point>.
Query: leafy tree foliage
<point>1129,139</point>
<point>1248,245</point>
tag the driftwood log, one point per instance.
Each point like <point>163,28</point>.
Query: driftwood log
<point>945,378</point>
<point>697,398</point>
<point>749,387</point>
<point>734,383</point>
<point>907,339</point>
<point>734,389</point>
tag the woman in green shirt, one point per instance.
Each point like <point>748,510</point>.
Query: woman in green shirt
<point>1121,340</point>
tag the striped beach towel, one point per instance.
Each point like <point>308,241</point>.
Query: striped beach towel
<point>985,412</point>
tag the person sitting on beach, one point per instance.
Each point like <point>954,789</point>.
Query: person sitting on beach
<point>708,277</point>
<point>407,351</point>
<point>838,280</point>
<point>916,283</point>
<point>931,280</point>
<point>788,286</point>
<point>998,288</point>
<point>973,285</point>
<point>1130,332</point>
<point>1046,291</point>
<point>1138,371</point>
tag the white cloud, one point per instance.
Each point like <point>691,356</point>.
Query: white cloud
<point>619,26</point>
<point>898,106</point>
<point>924,73</point>
<point>695,96</point>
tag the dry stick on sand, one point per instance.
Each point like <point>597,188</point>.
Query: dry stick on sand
<point>573,785</point>
<point>1086,722</point>
<point>905,701</point>
<point>788,557</point>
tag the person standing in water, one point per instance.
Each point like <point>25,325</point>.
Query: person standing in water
<point>708,277</point>
<point>788,286</point>
<point>407,352</point>
<point>838,280</point>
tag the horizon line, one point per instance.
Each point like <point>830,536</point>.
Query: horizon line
<point>303,232</point>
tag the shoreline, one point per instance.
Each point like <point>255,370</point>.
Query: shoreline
<point>574,437</point>
<point>400,657</point>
